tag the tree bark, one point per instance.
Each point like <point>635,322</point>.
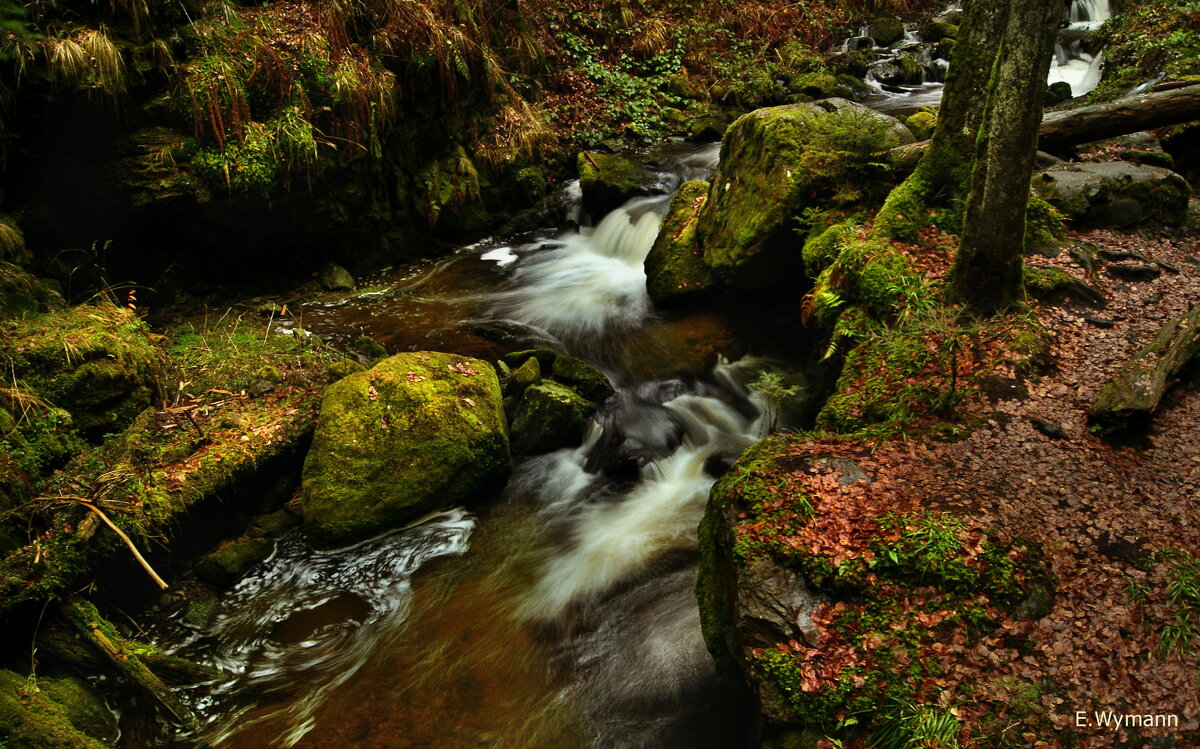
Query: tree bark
<point>987,270</point>
<point>1132,396</point>
<point>945,167</point>
<point>1112,118</point>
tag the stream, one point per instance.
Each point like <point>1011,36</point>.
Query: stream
<point>563,615</point>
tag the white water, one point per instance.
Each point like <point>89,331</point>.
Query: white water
<point>1072,63</point>
<point>611,600</point>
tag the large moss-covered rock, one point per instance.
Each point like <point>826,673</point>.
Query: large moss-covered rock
<point>96,361</point>
<point>886,30</point>
<point>776,163</point>
<point>608,180</point>
<point>22,294</point>
<point>418,432</point>
<point>1114,194</point>
<point>549,416</point>
<point>675,266</point>
<point>31,719</point>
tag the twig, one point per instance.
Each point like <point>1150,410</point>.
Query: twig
<point>128,542</point>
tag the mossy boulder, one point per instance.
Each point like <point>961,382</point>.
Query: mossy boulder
<point>549,416</point>
<point>418,432</point>
<point>1115,194</point>
<point>22,294</point>
<point>608,180</point>
<point>528,373</point>
<point>31,719</point>
<point>921,124</point>
<point>775,164</point>
<point>98,362</point>
<point>85,709</point>
<point>334,277</point>
<point>226,565</point>
<point>583,378</point>
<point>886,31</point>
<point>675,267</point>
<point>937,30</point>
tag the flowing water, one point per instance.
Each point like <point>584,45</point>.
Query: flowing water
<point>564,614</point>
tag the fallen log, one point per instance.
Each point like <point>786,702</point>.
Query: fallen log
<point>1132,396</point>
<point>1109,119</point>
<point>1170,104</point>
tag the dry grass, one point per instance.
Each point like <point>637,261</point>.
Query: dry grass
<point>522,130</point>
<point>12,241</point>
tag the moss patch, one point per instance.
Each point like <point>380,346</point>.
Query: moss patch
<point>675,266</point>
<point>417,432</point>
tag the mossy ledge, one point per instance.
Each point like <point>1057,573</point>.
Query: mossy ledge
<point>868,590</point>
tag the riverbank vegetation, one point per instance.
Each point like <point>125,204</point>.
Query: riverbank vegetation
<point>968,557</point>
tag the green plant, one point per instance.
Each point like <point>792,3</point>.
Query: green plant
<point>1181,635</point>
<point>844,153</point>
<point>905,725</point>
<point>770,386</point>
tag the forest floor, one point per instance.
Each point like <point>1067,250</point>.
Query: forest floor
<point>1110,516</point>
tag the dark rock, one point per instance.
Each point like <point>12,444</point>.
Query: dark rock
<point>1150,158</point>
<point>334,277</point>
<point>1100,323</point>
<point>550,416</point>
<point>226,565</point>
<point>1133,272</point>
<point>1050,429</point>
<point>608,180</point>
<point>1116,256</point>
<point>707,129</point>
<point>544,356</point>
<point>1114,194</point>
<point>529,373</point>
<point>1174,271</point>
<point>583,378</point>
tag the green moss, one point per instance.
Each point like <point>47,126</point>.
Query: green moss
<point>22,294</point>
<point>418,432</point>
<point>1146,38</point>
<point>96,361</point>
<point>583,378</point>
<point>776,163</point>
<point>549,416</point>
<point>31,719</point>
<point>886,30</point>
<point>608,180</point>
<point>921,124</point>
<point>675,264</point>
<point>84,708</point>
<point>1045,226</point>
<point>226,565</point>
<point>823,248</point>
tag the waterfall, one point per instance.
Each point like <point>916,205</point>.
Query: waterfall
<point>1074,63</point>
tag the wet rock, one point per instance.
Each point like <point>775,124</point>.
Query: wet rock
<point>634,431</point>
<point>675,268</point>
<point>937,30</point>
<point>334,277</point>
<point>529,373</point>
<point>608,180</point>
<point>369,350</point>
<point>886,31</point>
<point>1114,194</point>
<point>544,356</point>
<point>707,129</point>
<point>83,706</point>
<point>583,378</point>
<point>419,432</point>
<point>550,416</point>
<point>921,124</point>
<point>226,565</point>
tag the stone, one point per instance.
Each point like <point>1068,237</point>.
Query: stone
<point>550,416</point>
<point>583,378</point>
<point>226,565</point>
<point>937,30</point>
<point>886,31</point>
<point>419,432</point>
<point>334,277</point>
<point>1115,194</point>
<point>529,373</point>
<point>608,180</point>
<point>675,268</point>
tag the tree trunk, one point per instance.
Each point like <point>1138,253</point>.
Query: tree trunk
<point>987,271</point>
<point>945,168</point>
<point>1134,394</point>
<point>1112,118</point>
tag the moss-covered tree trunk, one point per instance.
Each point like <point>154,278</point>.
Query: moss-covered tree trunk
<point>945,168</point>
<point>987,271</point>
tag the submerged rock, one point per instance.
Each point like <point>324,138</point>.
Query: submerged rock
<point>419,432</point>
